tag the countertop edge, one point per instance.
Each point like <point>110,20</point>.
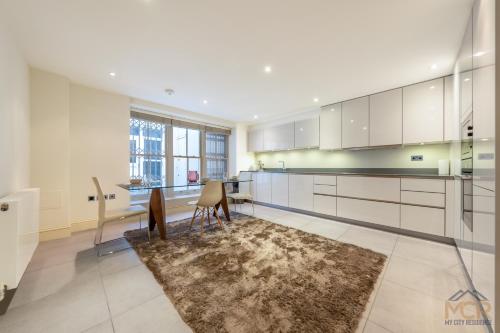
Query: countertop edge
<point>365,174</point>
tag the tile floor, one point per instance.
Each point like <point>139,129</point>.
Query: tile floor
<point>68,289</point>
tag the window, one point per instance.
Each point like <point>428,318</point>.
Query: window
<point>147,151</point>
<point>187,156</point>
<point>216,155</point>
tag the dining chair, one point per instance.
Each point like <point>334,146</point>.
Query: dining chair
<point>243,194</point>
<point>210,197</point>
<point>104,216</point>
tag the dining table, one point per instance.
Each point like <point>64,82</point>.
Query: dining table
<point>157,212</point>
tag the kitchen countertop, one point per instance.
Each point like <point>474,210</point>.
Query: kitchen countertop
<point>428,173</point>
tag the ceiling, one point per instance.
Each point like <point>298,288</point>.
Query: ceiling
<point>216,50</point>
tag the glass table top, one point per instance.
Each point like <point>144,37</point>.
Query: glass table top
<point>140,187</point>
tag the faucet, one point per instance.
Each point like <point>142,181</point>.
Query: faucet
<point>260,165</point>
<point>282,165</point>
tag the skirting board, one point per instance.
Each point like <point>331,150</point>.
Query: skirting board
<point>440,239</point>
<point>47,235</point>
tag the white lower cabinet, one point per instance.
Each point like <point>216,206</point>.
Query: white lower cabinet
<point>382,213</point>
<point>279,191</point>
<point>376,188</point>
<point>300,192</point>
<point>423,219</point>
<point>325,204</point>
<point>263,193</point>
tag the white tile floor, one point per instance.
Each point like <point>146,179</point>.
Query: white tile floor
<point>68,289</point>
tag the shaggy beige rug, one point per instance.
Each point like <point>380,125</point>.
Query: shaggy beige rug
<point>257,276</point>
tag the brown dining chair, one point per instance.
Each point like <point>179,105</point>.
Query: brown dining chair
<point>211,196</point>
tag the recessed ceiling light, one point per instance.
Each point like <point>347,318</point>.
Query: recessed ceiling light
<point>256,116</point>
<point>484,139</point>
<point>434,66</point>
<point>205,101</point>
<point>315,99</point>
<point>352,121</point>
<point>268,69</point>
<point>421,143</point>
<point>365,128</point>
<point>332,109</point>
<point>113,74</point>
<point>169,91</point>
<point>431,87</point>
<point>479,54</point>
<point>466,80</point>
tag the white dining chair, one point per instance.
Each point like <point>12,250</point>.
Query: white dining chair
<point>105,217</point>
<point>244,193</point>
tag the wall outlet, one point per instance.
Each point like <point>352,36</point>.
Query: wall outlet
<point>417,158</point>
<point>112,196</point>
<point>105,197</point>
<point>92,198</point>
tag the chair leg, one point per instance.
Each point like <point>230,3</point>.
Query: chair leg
<point>208,215</point>
<point>202,220</point>
<point>253,208</point>
<point>140,222</point>
<point>192,220</point>
<point>218,218</point>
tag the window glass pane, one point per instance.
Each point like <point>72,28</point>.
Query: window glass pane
<point>180,141</point>
<point>193,142</point>
<point>180,173</point>
<point>216,155</point>
<point>147,151</point>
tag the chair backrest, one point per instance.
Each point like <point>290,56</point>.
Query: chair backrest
<point>101,202</point>
<point>211,194</point>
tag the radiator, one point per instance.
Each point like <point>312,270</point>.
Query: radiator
<point>19,227</point>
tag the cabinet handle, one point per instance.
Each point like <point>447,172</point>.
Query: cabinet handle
<point>469,128</point>
<point>4,207</point>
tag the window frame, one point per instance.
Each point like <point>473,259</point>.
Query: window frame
<point>169,147</point>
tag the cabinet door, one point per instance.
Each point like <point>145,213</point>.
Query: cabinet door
<point>451,119</point>
<point>279,189</point>
<point>256,140</point>
<point>423,219</point>
<point>369,211</point>
<point>325,204</point>
<point>355,121</point>
<point>300,192</point>
<point>279,137</point>
<point>307,133</point>
<point>264,187</point>
<point>484,105</point>
<point>423,112</point>
<point>386,118</point>
<point>330,127</point>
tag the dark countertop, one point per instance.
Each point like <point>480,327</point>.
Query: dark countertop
<point>428,173</point>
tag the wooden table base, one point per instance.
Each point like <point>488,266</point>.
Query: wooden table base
<point>223,203</point>
<point>157,212</point>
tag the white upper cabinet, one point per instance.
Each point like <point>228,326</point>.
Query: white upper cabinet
<point>423,112</point>
<point>386,118</point>
<point>355,122</point>
<point>484,104</point>
<point>451,118</point>
<point>280,137</point>
<point>307,133</point>
<point>255,140</point>
<point>330,127</point>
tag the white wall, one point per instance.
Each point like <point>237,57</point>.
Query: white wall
<point>99,146</point>
<point>50,147</point>
<point>14,117</point>
<point>240,158</point>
